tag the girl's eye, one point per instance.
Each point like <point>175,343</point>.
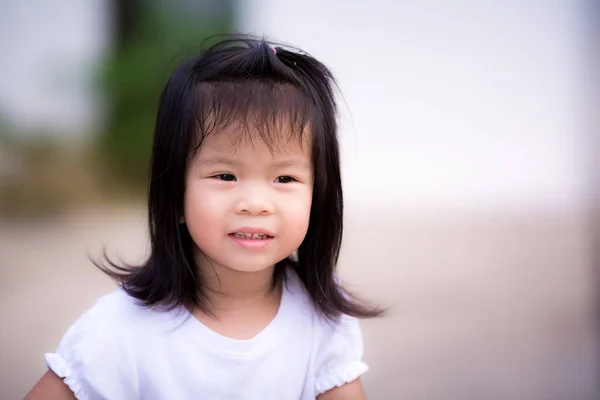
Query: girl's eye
<point>225,177</point>
<point>285,179</point>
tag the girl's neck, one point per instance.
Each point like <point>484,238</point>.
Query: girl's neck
<point>241,304</point>
<point>226,287</point>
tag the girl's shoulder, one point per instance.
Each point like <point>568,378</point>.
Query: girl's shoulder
<point>98,346</point>
<point>328,332</point>
<point>111,312</point>
<point>114,320</point>
<point>337,346</point>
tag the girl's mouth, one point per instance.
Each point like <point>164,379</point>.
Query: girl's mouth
<point>249,240</point>
<point>250,236</point>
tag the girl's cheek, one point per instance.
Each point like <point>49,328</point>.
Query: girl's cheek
<point>202,198</point>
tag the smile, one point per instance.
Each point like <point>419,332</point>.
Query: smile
<point>253,236</point>
<point>250,238</point>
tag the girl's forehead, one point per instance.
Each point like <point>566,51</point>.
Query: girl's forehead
<point>236,142</point>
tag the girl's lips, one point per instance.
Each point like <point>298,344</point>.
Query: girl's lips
<point>250,243</point>
<point>247,229</point>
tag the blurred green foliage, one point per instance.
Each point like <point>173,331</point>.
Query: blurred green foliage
<point>42,177</point>
<point>132,80</point>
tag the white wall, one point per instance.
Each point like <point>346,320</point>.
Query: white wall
<point>454,105</point>
<point>49,55</point>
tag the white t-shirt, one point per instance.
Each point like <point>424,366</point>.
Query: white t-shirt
<point>119,350</point>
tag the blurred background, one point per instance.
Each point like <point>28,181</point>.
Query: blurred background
<point>471,168</point>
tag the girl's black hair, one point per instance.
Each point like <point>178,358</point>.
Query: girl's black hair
<point>246,81</point>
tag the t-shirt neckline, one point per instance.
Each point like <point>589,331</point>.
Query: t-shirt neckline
<point>264,340</point>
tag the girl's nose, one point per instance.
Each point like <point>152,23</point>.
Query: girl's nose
<point>255,202</point>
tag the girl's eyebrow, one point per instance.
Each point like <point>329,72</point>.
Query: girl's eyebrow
<point>292,163</point>
<point>229,161</point>
<point>217,160</point>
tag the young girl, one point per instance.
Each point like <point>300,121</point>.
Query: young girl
<point>239,298</point>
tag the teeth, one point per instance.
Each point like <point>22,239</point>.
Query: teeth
<point>246,235</point>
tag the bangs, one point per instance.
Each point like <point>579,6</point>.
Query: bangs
<point>273,112</point>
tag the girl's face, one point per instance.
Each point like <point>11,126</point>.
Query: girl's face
<point>247,207</point>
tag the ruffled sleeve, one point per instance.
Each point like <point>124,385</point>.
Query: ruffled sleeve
<point>94,357</point>
<point>340,355</point>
